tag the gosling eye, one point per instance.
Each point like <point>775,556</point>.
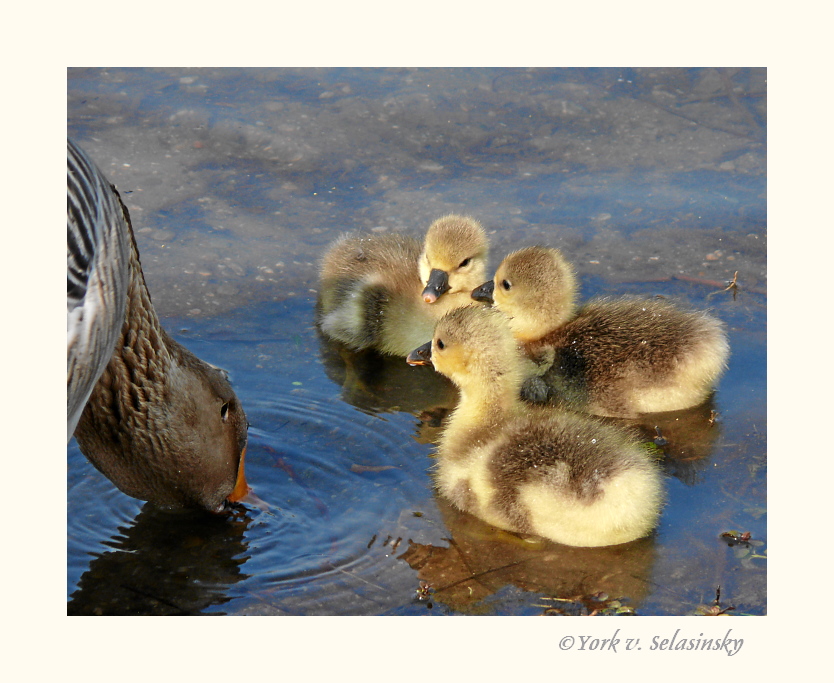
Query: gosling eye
<point>224,412</point>
<point>440,344</point>
<point>464,263</point>
<point>507,285</point>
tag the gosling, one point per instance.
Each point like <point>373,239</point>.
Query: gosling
<point>386,292</point>
<point>563,476</point>
<point>612,357</point>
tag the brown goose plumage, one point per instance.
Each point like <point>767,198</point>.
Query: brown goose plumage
<point>160,423</point>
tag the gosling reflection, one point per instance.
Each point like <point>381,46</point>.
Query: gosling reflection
<point>165,563</point>
<point>376,383</point>
<point>480,560</point>
<point>686,438</point>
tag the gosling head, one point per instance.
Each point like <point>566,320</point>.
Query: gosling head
<point>472,345</point>
<point>454,257</point>
<point>536,288</point>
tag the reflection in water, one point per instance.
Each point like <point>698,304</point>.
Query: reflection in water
<point>165,563</point>
<point>480,560</point>
<point>685,437</point>
<point>375,382</point>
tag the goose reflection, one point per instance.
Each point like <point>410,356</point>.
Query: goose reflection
<point>165,563</point>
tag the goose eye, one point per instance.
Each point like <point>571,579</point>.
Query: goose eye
<point>506,285</point>
<point>464,263</point>
<point>440,344</point>
<point>224,412</point>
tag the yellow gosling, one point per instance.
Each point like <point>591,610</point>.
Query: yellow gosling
<point>386,292</point>
<point>532,470</point>
<point>613,357</point>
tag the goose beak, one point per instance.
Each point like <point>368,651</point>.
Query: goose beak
<point>420,356</point>
<point>436,286</point>
<point>243,493</point>
<point>484,292</point>
<point>241,489</point>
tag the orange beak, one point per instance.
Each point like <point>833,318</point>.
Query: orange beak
<point>241,489</point>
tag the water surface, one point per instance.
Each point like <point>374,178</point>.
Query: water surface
<point>650,181</point>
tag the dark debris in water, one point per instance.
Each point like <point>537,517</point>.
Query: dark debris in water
<point>596,604</point>
<point>361,469</point>
<point>714,609</point>
<point>744,547</point>
<point>736,538</point>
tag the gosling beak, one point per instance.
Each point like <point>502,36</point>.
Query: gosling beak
<point>241,489</point>
<point>437,284</point>
<point>484,292</point>
<point>420,356</point>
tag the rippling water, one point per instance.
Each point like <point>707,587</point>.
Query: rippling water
<point>237,180</point>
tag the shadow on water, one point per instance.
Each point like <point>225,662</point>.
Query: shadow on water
<point>652,183</point>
